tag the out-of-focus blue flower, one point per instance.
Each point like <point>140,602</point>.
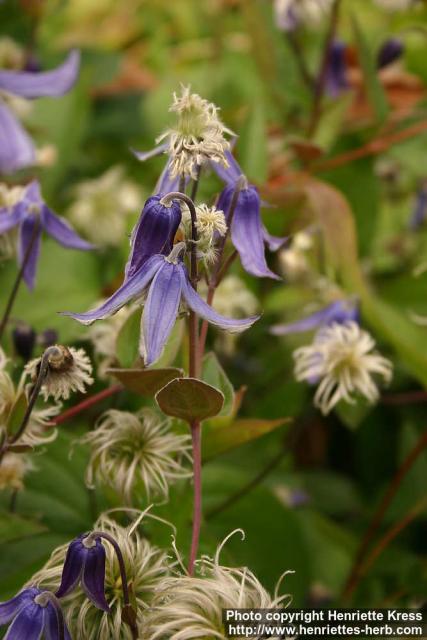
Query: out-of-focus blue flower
<point>389,52</point>
<point>419,213</point>
<point>30,211</point>
<point>85,563</point>
<point>166,282</point>
<point>31,614</point>
<point>336,75</point>
<point>16,147</point>
<point>339,312</point>
<point>153,233</point>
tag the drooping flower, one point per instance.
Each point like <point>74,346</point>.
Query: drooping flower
<point>153,233</point>
<point>339,311</point>
<point>389,52</point>
<point>248,233</point>
<point>136,454</point>
<point>187,607</point>
<point>342,362</point>
<point>145,565</point>
<point>101,206</point>
<point>69,371</point>
<point>166,281</point>
<point>197,138</point>
<point>291,14</point>
<point>32,613</point>
<point>85,564</point>
<point>16,147</point>
<point>336,75</point>
<point>33,216</point>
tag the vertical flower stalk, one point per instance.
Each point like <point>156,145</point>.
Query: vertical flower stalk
<point>193,371</point>
<point>19,278</point>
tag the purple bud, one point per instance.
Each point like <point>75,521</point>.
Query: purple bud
<point>390,51</point>
<point>24,339</point>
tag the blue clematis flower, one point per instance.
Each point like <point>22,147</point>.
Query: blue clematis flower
<point>339,312</point>
<point>30,211</point>
<point>16,147</point>
<point>166,282</point>
<point>31,614</point>
<point>85,563</point>
<point>389,52</point>
<point>336,75</point>
<point>153,233</point>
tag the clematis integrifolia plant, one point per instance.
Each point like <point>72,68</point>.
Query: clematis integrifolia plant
<point>34,612</point>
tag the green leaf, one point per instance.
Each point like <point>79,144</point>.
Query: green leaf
<point>214,374</point>
<point>368,63</point>
<point>146,382</point>
<point>14,527</point>
<point>17,413</point>
<point>127,342</point>
<point>190,399</point>
<point>219,439</point>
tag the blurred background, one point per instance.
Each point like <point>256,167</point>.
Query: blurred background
<point>306,491</point>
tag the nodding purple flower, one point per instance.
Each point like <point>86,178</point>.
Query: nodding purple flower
<point>85,563</point>
<point>389,52</point>
<point>32,613</point>
<point>339,312</point>
<point>166,282</point>
<point>16,147</point>
<point>248,234</point>
<point>153,233</point>
<point>33,215</point>
<point>419,213</point>
<point>336,74</point>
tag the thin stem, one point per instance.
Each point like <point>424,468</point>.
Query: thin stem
<point>247,488</point>
<point>387,538</point>
<point>197,505</point>
<point>86,404</point>
<point>18,280</point>
<point>194,361</point>
<point>295,45</point>
<point>123,577</point>
<point>41,377</point>
<point>357,570</point>
<point>323,72</point>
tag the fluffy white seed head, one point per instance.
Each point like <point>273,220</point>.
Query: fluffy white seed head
<point>69,371</point>
<point>198,135</point>
<point>191,607</point>
<point>101,206</point>
<point>342,362</point>
<point>145,565</point>
<point>137,455</point>
<point>13,468</point>
<point>293,13</point>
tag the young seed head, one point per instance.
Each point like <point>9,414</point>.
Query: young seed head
<point>136,455</point>
<point>145,566</point>
<point>342,362</point>
<point>69,370</point>
<point>198,135</point>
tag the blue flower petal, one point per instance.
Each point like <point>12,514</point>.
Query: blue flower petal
<point>93,579</point>
<point>160,310</point>
<point>29,84</point>
<point>10,608</point>
<point>28,624</point>
<point>339,311</point>
<point>27,237</point>
<point>51,623</point>
<point>73,567</point>
<point>199,306</point>
<point>62,232</point>
<point>130,289</point>
<point>10,218</point>
<point>16,147</point>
